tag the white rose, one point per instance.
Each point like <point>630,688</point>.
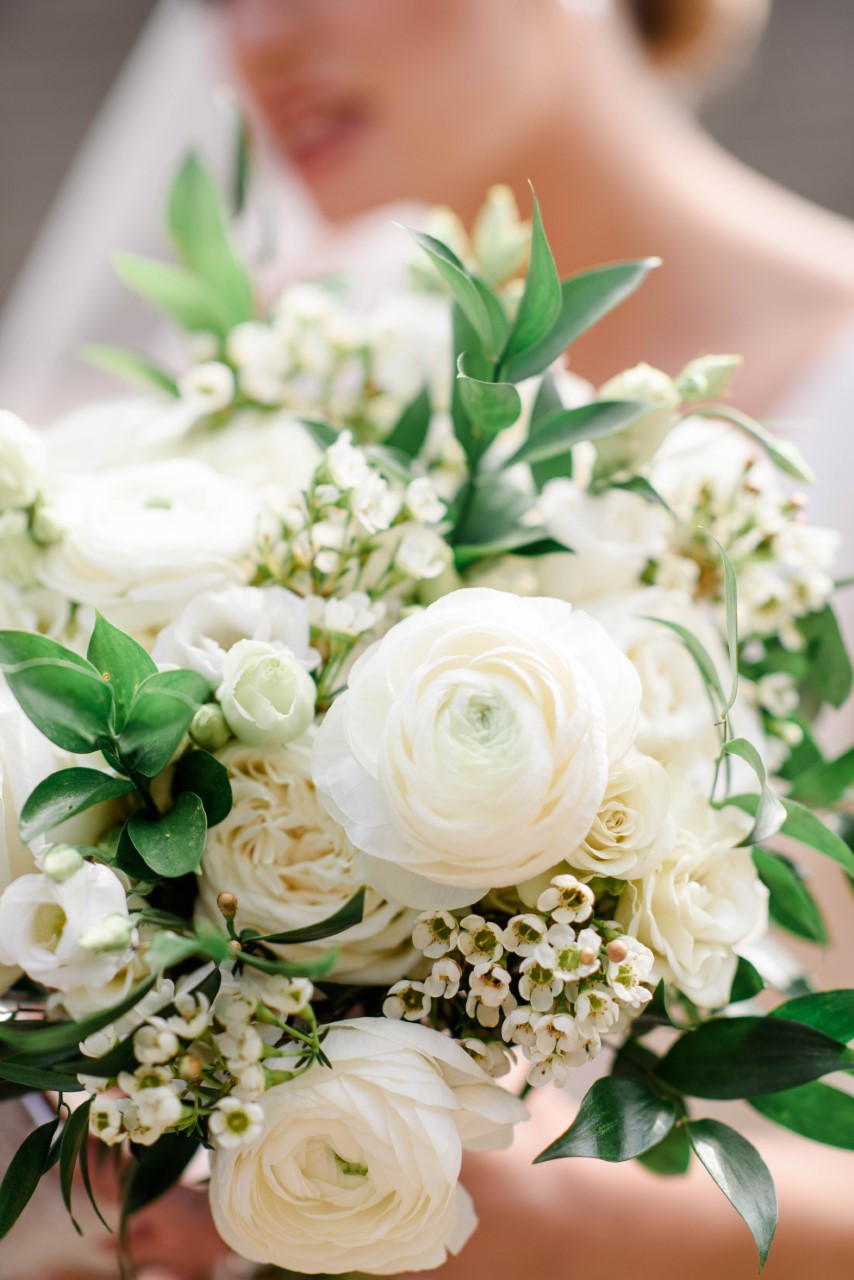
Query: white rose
<point>266,695</point>
<point>22,461</point>
<point>471,748</point>
<point>214,621</point>
<point>613,535</point>
<point>141,540</point>
<point>291,866</point>
<point>44,926</point>
<point>633,830</point>
<point>376,1141</point>
<point>701,904</point>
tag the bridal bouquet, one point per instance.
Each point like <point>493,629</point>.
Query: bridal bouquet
<point>387,711</point>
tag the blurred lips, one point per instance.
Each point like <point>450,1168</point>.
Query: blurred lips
<point>316,130</point>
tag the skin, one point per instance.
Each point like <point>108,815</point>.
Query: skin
<point>400,99</point>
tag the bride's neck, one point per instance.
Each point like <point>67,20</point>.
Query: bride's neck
<point>622,172</point>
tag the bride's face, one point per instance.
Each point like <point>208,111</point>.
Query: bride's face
<point>377,100</point>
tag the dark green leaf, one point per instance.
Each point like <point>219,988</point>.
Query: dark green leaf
<point>642,487</point>
<point>770,813</point>
<point>155,1170</point>
<point>120,661</point>
<point>830,665</point>
<point>22,1177</point>
<point>203,774</point>
<point>807,828</point>
<point>740,1172</point>
<point>159,718</point>
<point>87,1184</point>
<point>747,982</point>
<point>35,1077</point>
<point>324,435</point>
<point>130,366</point>
<point>546,405</point>
<point>74,1135</point>
<point>791,904</point>
<point>494,512</point>
<point>816,1111</point>
<point>527,540</point>
<point>541,300</point>
<point>171,845</point>
<point>292,969</point>
<point>60,692</point>
<point>744,1057</point>
<point>127,859</point>
<point>410,431</point>
<point>783,453</point>
<point>671,1158</point>
<point>64,794</point>
<point>189,300</point>
<point>491,406</point>
<point>32,1037</point>
<point>829,1011</point>
<point>569,426</point>
<point>618,1120</point>
<point>585,299</point>
<point>465,290</point>
<point>466,342</point>
<point>825,783</point>
<point>199,230</point>
<point>350,914</point>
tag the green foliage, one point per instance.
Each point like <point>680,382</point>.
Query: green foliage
<point>567,427</point>
<point>671,1158</point>
<point>348,915</point>
<point>202,774</point>
<point>618,1119</point>
<point>75,1135</point>
<point>782,453</point>
<point>120,661</point>
<point>190,301</point>
<point>480,306</point>
<point>130,367</point>
<point>22,1177</point>
<point>816,1111</point>
<point>172,843</point>
<point>828,661</point>
<point>770,814</point>
<point>747,983</point>
<point>409,433</point>
<point>807,828</point>
<point>791,904</point>
<point>541,300</point>
<point>159,718</point>
<point>742,1175</point>
<point>826,782</point>
<point>829,1011</point>
<point>491,406</point>
<point>63,795</point>
<point>36,1077</point>
<point>60,692</point>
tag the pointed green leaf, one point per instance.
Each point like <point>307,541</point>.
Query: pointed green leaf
<point>825,783</point>
<point>671,1158</point>
<point>204,775</point>
<point>159,718</point>
<point>491,406</point>
<point>642,487</point>
<point>805,827</point>
<point>569,426</point>
<point>38,1078</point>
<point>74,1135</point>
<point>58,690</point>
<point>618,1120</point>
<point>791,905</point>
<point>782,453</point>
<point>770,812</point>
<point>31,1037</point>
<point>705,663</point>
<point>541,300</point>
<point>130,366</point>
<point>120,661</point>
<point>473,300</point>
<point>63,795</point>
<point>199,229</point>
<point>830,664</point>
<point>410,431</point>
<point>350,914</point>
<point>829,1011</point>
<point>547,404</point>
<point>318,968</point>
<point>747,983</point>
<point>742,1175</point>
<point>171,845</point>
<point>188,299</point>
<point>816,1111</point>
<point>24,1173</point>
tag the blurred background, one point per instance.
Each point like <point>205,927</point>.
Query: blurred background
<point>790,114</point>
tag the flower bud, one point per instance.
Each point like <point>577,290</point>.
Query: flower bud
<point>61,862</point>
<point>500,237</point>
<point>227,903</point>
<point>208,727</point>
<point>189,1066</point>
<point>46,526</point>
<point>617,951</point>
<point>113,933</point>
<point>208,387</point>
<point>21,463</point>
<point>637,444</point>
<point>267,696</point>
<point>707,378</point>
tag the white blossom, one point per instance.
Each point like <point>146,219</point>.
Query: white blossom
<point>208,387</point>
<point>576,955</point>
<point>422,554</point>
<point>480,940</point>
<point>518,1026</point>
<point>567,900</point>
<point>524,934</point>
<point>235,1123</point>
<point>437,932</point>
<point>240,1046</point>
<point>539,983</point>
<point>153,1045</point>
<point>444,980</point>
<point>407,999</point>
<point>492,1055</point>
<point>105,1120</point>
<point>251,1083</point>
<point>423,502</point>
<point>348,467</point>
<point>191,1017</point>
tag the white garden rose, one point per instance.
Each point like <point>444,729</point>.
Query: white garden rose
<point>633,830</point>
<point>266,695</point>
<point>55,930</point>
<point>701,904</point>
<point>291,865</point>
<point>140,541</point>
<point>356,1166</point>
<point>471,749</point>
<point>22,461</point>
<point>212,623</point>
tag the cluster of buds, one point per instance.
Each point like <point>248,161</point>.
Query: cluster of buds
<point>552,981</point>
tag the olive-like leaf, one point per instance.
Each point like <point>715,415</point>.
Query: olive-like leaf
<point>742,1175</point>
<point>63,795</point>
<point>619,1118</point>
<point>172,844</point>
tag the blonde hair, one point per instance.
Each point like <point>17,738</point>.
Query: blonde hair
<point>699,39</point>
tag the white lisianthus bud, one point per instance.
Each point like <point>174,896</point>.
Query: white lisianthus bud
<point>112,933</point>
<point>21,463</point>
<point>235,1123</point>
<point>407,1000</point>
<point>423,502</point>
<point>636,445</point>
<point>348,467</point>
<point>500,237</point>
<point>422,555</point>
<point>208,387</point>
<point>707,377</point>
<point>61,862</point>
<point>267,696</point>
<point>209,728</point>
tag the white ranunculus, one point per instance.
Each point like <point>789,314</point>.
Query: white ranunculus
<point>701,904</point>
<point>44,925</point>
<point>22,461</point>
<point>613,535</point>
<point>273,454</point>
<point>357,1165</point>
<point>291,865</point>
<point>633,830</point>
<point>212,623</point>
<point>266,695</point>
<point>472,746</point>
<point>140,541</point>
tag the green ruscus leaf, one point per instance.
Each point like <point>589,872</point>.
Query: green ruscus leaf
<point>618,1120</point>
<point>742,1175</point>
<point>74,1137</point>
<point>159,717</point>
<point>791,904</point>
<point>120,661</point>
<point>171,845</point>
<point>59,691</point>
<point>24,1173</point>
<point>63,795</point>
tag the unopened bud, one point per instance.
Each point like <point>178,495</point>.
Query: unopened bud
<point>189,1066</point>
<point>235,945</point>
<point>227,903</point>
<point>617,951</point>
<point>208,727</point>
<point>113,933</point>
<point>587,955</point>
<point>707,378</point>
<point>46,525</point>
<point>61,862</point>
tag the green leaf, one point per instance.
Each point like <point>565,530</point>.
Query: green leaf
<point>155,1170</point>
<point>807,828</point>
<point>825,783</point>
<point>770,812</point>
<point>410,431</point>
<point>527,540</point>
<point>782,453</point>
<point>292,969</point>
<point>44,1037</point>
<point>189,300</point>
<point>350,914</point>
<point>816,1111</point>
<point>130,366</point>
<point>618,1120</point>
<point>829,1011</point>
<point>87,1185</point>
<point>58,690</point>
<point>546,405</point>
<point>171,845</point>
<point>731,608</point>
<point>199,229</point>
<point>35,1077</point>
<point>466,341</point>
<point>747,983</point>
<point>744,1057</point>
<point>24,1173</point>
<point>63,795</point>
<point>120,661</point>
<point>541,300</point>
<point>671,1158</point>
<point>585,299</point>
<point>569,426</point>
<point>491,406</point>
<point>495,510</point>
<point>74,1135</point>
<point>705,664</point>
<point>642,487</point>
<point>742,1175</point>
<point>830,665</point>
<point>791,905</point>
<point>323,435</point>
<point>472,299</point>
<point>201,773</point>
<point>159,718</point>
